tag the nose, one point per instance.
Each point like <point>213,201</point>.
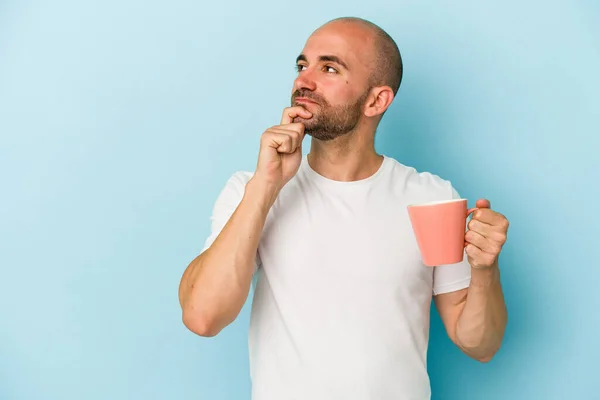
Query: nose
<point>305,80</point>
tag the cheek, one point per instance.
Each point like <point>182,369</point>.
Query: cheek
<point>338,93</point>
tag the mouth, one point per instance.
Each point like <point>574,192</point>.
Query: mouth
<point>304,100</point>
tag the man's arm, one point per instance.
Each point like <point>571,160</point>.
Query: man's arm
<point>475,318</point>
<point>215,285</point>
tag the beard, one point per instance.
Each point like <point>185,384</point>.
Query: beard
<point>329,122</point>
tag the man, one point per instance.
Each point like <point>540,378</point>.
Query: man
<point>341,306</point>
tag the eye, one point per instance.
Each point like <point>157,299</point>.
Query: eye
<point>330,69</point>
<point>299,67</point>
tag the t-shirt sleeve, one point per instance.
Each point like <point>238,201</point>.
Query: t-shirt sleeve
<point>228,200</point>
<point>452,277</point>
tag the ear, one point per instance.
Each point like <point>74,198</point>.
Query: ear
<point>378,101</point>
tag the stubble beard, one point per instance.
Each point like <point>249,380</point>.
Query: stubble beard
<point>329,122</point>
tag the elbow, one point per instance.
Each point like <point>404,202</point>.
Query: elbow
<point>478,351</point>
<point>485,359</point>
<point>482,358</point>
<point>200,325</point>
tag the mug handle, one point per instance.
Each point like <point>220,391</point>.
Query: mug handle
<point>469,212</point>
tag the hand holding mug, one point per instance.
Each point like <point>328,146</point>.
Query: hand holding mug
<point>439,228</point>
<point>486,235</point>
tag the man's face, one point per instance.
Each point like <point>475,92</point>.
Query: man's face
<point>333,80</point>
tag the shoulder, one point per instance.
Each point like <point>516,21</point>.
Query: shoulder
<point>423,184</point>
<point>239,179</point>
<point>234,187</point>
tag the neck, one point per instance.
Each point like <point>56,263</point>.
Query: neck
<point>350,157</point>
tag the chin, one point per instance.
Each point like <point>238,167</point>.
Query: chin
<point>319,135</point>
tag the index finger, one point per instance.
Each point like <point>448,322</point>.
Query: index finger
<point>292,112</point>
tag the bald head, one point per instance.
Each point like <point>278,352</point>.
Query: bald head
<point>387,63</point>
<point>349,72</point>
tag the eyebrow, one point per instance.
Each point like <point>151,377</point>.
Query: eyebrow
<point>330,58</point>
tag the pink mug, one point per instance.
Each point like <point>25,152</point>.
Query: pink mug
<point>439,229</point>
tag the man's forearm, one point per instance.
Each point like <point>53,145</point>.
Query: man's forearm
<point>216,284</point>
<point>480,327</point>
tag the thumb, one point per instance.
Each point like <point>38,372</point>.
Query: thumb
<point>483,203</point>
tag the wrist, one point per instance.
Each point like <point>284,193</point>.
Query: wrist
<point>485,277</point>
<point>263,192</point>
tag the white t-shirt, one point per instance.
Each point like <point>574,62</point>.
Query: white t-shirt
<point>342,301</point>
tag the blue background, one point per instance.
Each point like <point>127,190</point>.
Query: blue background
<point>120,122</point>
